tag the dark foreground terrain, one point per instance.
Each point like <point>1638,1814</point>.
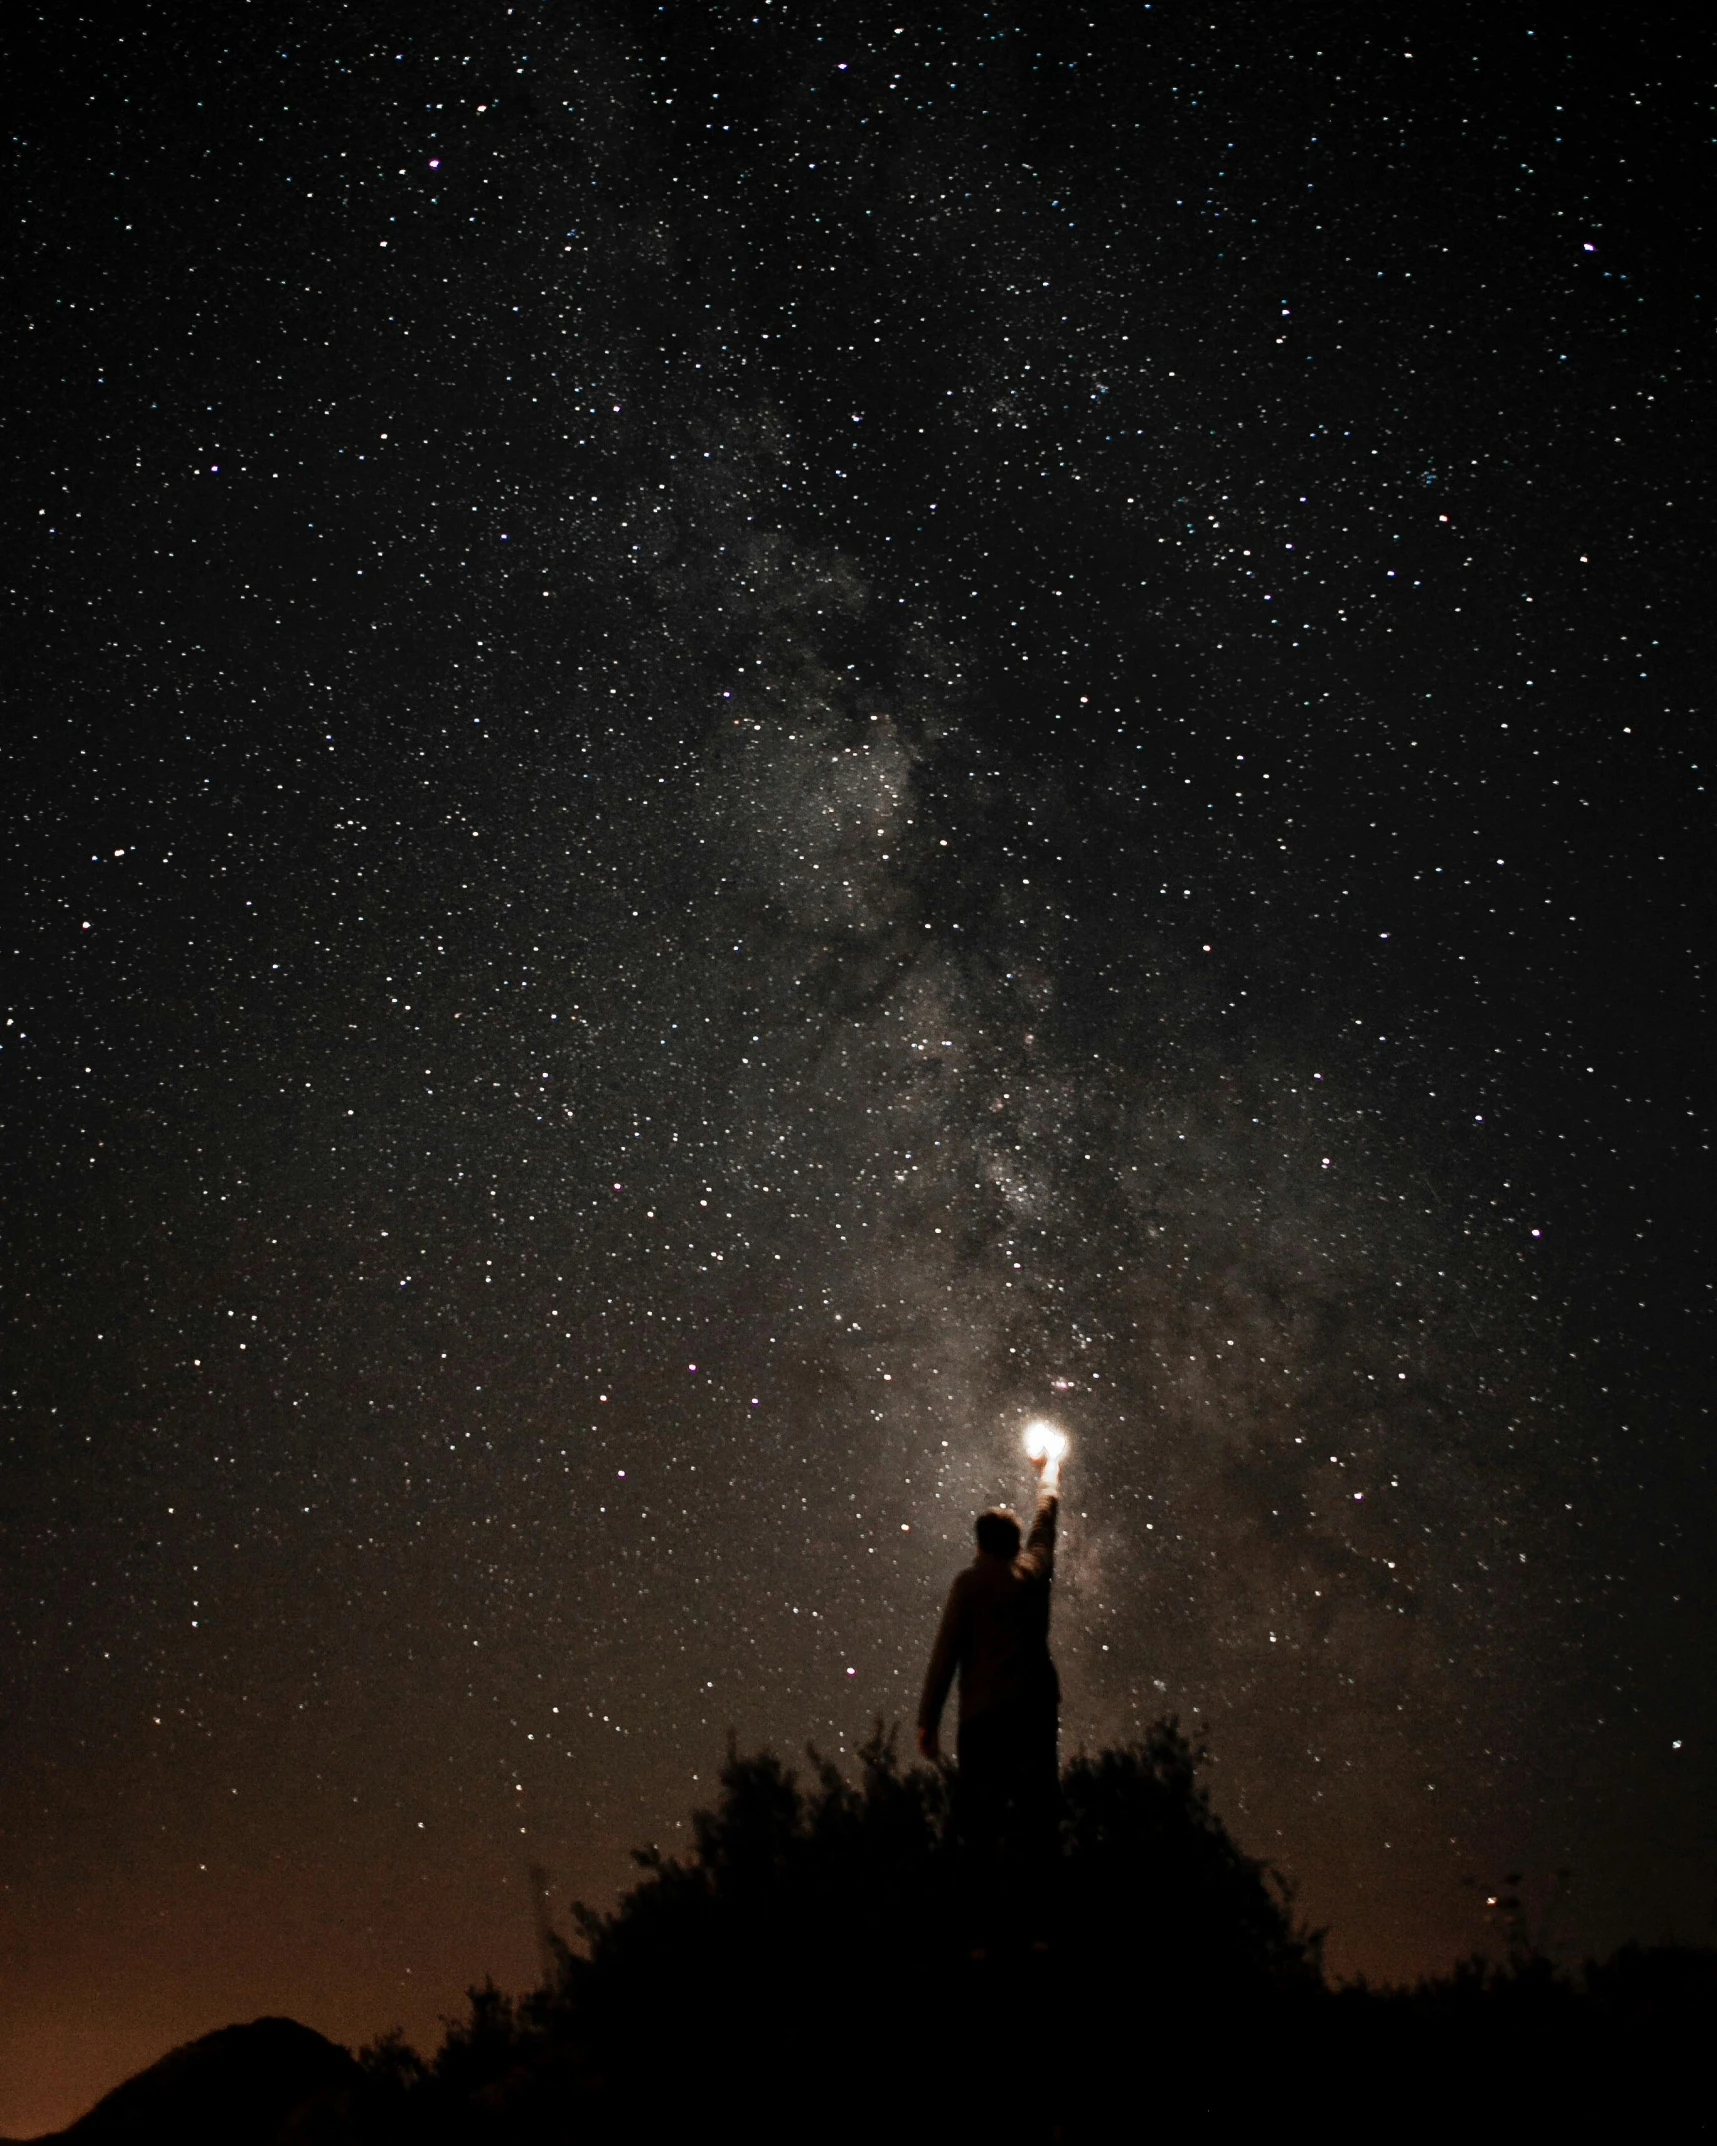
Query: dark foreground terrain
<point>829,1964</point>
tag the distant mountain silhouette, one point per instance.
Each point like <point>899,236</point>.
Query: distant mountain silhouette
<point>240,2086</point>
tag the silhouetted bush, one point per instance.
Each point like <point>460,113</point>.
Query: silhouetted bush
<point>828,1961</point>
<point>1151,1885</point>
<point>827,1956</point>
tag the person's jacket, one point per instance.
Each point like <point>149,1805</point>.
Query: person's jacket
<point>995,1630</point>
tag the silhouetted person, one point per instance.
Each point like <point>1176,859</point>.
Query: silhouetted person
<point>995,1634</point>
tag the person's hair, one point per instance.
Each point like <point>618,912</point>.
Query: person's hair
<point>998,1532</point>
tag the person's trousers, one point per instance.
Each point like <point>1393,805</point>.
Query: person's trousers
<point>1009,1789</point>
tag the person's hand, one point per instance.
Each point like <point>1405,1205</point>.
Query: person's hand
<point>1048,1473</point>
<point>929,1745</point>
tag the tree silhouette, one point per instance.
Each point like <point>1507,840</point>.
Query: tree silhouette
<point>831,1958</point>
<point>831,1947</point>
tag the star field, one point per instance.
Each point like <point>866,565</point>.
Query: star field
<point>742,743</point>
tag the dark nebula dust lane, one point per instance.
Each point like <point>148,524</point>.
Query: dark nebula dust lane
<point>740,745</point>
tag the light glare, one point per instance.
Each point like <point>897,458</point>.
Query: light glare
<point>1044,1442</point>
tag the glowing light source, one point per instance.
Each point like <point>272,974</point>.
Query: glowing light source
<point>1044,1442</point>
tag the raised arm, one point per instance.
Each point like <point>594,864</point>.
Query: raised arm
<point>1038,1556</point>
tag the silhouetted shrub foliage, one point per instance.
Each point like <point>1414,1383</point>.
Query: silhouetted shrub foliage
<point>830,1961</point>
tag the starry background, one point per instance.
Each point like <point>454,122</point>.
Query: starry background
<point>743,739</point>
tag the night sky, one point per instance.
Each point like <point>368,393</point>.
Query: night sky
<point>742,740</point>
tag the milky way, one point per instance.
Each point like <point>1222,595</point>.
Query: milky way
<point>746,747</point>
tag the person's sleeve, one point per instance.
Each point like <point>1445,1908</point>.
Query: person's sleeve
<point>1038,1556</point>
<point>944,1659</point>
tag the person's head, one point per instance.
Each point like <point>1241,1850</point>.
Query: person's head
<point>998,1533</point>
